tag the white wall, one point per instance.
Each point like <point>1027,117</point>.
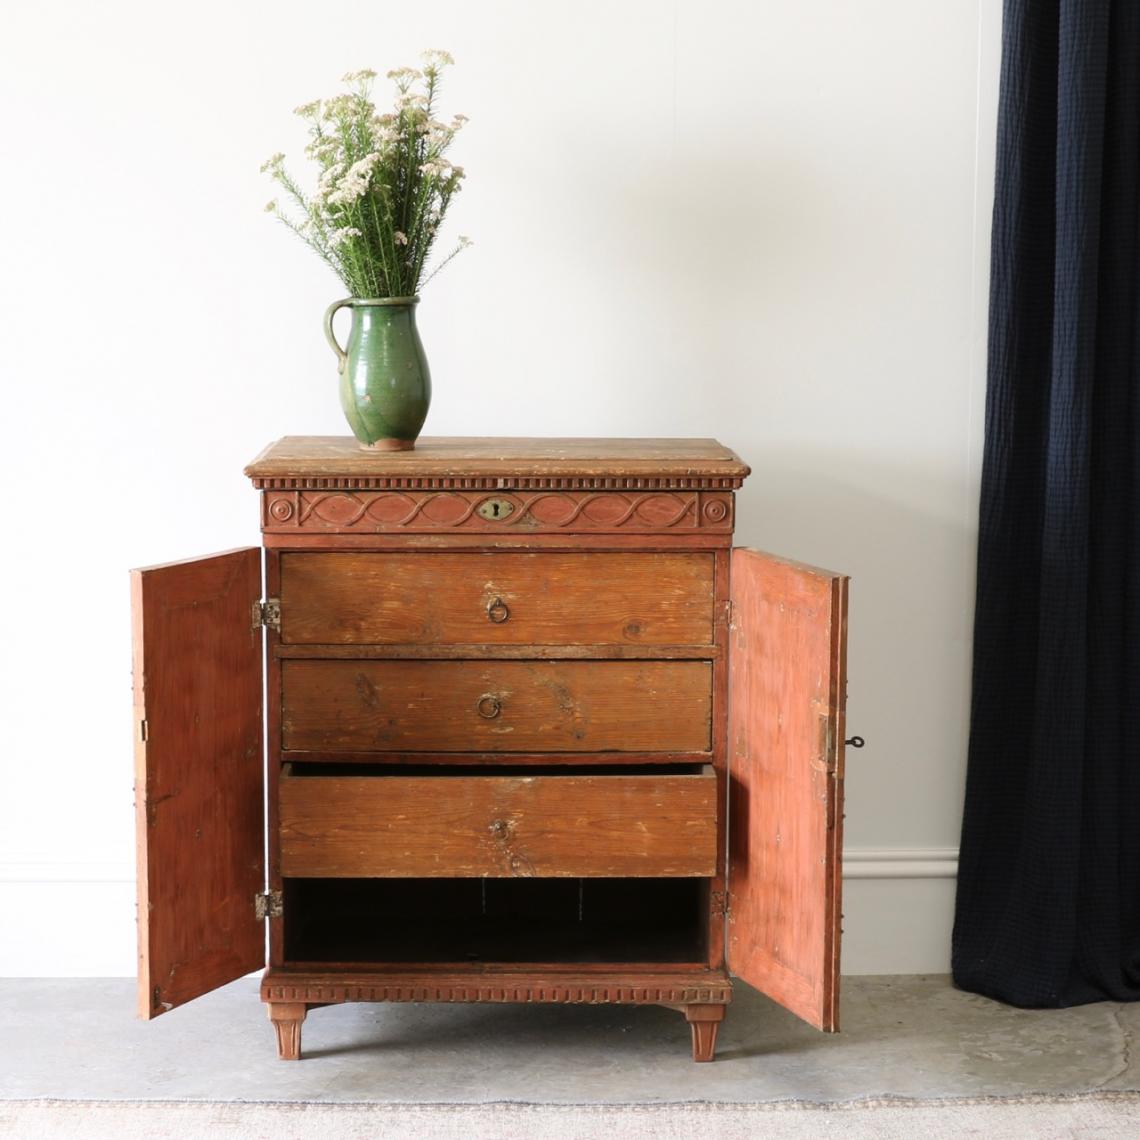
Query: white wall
<point>764,221</point>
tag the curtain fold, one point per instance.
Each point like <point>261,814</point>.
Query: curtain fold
<point>1048,903</point>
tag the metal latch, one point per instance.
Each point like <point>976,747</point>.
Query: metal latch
<point>268,904</point>
<point>268,614</point>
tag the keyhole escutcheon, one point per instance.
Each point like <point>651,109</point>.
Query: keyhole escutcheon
<point>495,510</point>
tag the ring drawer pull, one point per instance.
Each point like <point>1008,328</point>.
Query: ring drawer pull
<point>497,610</point>
<point>489,706</point>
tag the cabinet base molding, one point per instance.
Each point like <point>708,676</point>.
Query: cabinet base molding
<point>503,985</point>
<point>702,996</point>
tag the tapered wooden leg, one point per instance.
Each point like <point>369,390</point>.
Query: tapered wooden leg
<point>704,1020</point>
<point>287,1017</point>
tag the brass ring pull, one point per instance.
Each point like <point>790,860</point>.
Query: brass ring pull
<point>489,706</point>
<point>497,610</point>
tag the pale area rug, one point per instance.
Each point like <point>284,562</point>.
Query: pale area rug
<point>1093,1116</point>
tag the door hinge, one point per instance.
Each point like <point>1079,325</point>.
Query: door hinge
<point>268,614</point>
<point>268,904</point>
<point>144,730</point>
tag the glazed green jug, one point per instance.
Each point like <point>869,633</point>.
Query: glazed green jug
<point>385,385</point>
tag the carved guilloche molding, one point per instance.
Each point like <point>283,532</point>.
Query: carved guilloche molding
<point>318,510</point>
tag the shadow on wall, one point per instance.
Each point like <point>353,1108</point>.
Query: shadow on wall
<point>907,537</point>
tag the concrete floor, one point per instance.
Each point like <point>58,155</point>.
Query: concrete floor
<point>902,1036</point>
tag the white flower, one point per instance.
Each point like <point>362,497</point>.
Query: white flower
<point>347,192</point>
<point>364,76</point>
<point>327,180</point>
<point>353,185</point>
<point>458,120</point>
<point>308,110</point>
<point>338,237</point>
<point>400,238</point>
<point>434,60</point>
<point>405,76</point>
<point>464,241</point>
<point>323,149</point>
<point>363,166</point>
<point>436,167</point>
<point>273,163</point>
<point>411,100</point>
<point>341,107</point>
<point>271,207</point>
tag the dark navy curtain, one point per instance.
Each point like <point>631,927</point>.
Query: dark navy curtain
<point>1048,909</point>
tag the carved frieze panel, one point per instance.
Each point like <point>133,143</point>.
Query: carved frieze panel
<point>433,511</point>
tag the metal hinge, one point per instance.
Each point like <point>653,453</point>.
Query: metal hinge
<point>268,904</point>
<point>268,614</point>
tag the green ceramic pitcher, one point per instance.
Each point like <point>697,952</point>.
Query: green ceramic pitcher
<point>385,385</point>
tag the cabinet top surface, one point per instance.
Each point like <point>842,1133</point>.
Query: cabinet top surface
<point>324,460</point>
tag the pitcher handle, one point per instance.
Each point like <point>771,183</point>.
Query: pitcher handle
<point>330,336</point>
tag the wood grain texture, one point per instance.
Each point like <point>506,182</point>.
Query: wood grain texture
<point>716,888</point>
<point>494,511</point>
<point>336,462</point>
<point>198,780</point>
<point>497,599</point>
<point>786,722</point>
<point>496,706</point>
<point>546,826</point>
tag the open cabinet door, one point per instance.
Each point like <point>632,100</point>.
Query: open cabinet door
<point>198,775</point>
<point>787,691</point>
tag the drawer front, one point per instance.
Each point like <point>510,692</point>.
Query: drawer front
<point>460,826</point>
<point>496,706</point>
<point>497,598</point>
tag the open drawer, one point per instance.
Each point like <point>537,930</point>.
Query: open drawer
<point>616,822</point>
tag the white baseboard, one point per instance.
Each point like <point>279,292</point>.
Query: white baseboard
<point>78,919</point>
<point>900,863</point>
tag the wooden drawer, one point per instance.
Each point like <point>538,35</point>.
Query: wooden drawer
<point>551,826</point>
<point>496,706</point>
<point>496,598</point>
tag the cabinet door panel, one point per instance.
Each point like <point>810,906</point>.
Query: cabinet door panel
<point>787,693</point>
<point>199,785</point>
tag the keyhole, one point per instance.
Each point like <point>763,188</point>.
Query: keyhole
<point>495,510</point>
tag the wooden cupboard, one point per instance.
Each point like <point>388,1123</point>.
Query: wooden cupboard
<point>533,731</point>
